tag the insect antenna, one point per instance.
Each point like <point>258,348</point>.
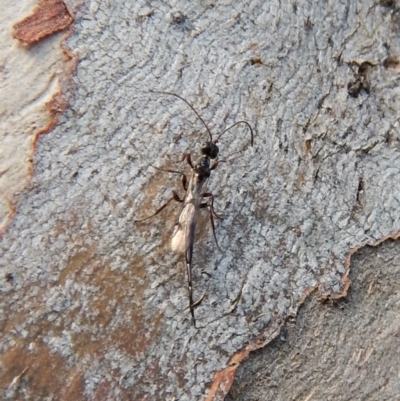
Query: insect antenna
<point>194,110</point>
<point>239,122</point>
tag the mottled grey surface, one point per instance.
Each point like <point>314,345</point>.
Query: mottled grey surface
<point>105,295</point>
<point>349,351</point>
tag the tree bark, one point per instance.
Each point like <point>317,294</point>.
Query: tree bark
<point>95,305</point>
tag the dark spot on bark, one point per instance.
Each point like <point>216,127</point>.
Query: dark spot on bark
<point>360,189</point>
<point>306,126</point>
<point>255,60</point>
<point>387,3</point>
<point>178,18</point>
<point>389,138</point>
<point>307,23</point>
<point>9,277</point>
<point>339,58</point>
<point>279,125</point>
<point>308,144</point>
<point>354,88</point>
<point>321,101</point>
<point>348,132</point>
<point>316,175</point>
<point>364,67</point>
<point>370,147</point>
<point>141,17</point>
<point>362,80</point>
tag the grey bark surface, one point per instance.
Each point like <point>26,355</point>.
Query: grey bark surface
<point>100,301</point>
<point>349,351</point>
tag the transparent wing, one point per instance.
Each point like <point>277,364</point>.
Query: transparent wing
<point>182,240</point>
<point>184,232</point>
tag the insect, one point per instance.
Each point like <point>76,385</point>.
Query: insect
<point>182,240</point>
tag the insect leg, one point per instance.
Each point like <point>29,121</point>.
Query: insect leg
<point>190,288</point>
<point>215,165</point>
<point>212,212</point>
<point>185,156</point>
<point>183,179</point>
<point>189,160</point>
<point>188,259</point>
<point>174,197</point>
<point>204,205</point>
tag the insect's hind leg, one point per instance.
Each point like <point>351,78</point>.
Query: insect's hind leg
<point>174,197</point>
<point>193,305</point>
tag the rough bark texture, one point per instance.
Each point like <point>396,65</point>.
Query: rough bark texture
<point>97,302</point>
<point>348,351</point>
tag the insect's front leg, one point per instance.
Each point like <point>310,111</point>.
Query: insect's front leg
<point>212,213</point>
<point>215,165</point>
<point>186,156</point>
<point>174,197</point>
<point>183,176</point>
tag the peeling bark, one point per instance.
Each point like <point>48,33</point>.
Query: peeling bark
<point>104,296</point>
<point>48,17</point>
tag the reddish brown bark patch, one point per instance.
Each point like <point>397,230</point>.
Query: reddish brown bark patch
<point>48,17</point>
<point>37,370</point>
<point>223,379</point>
<point>392,63</point>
